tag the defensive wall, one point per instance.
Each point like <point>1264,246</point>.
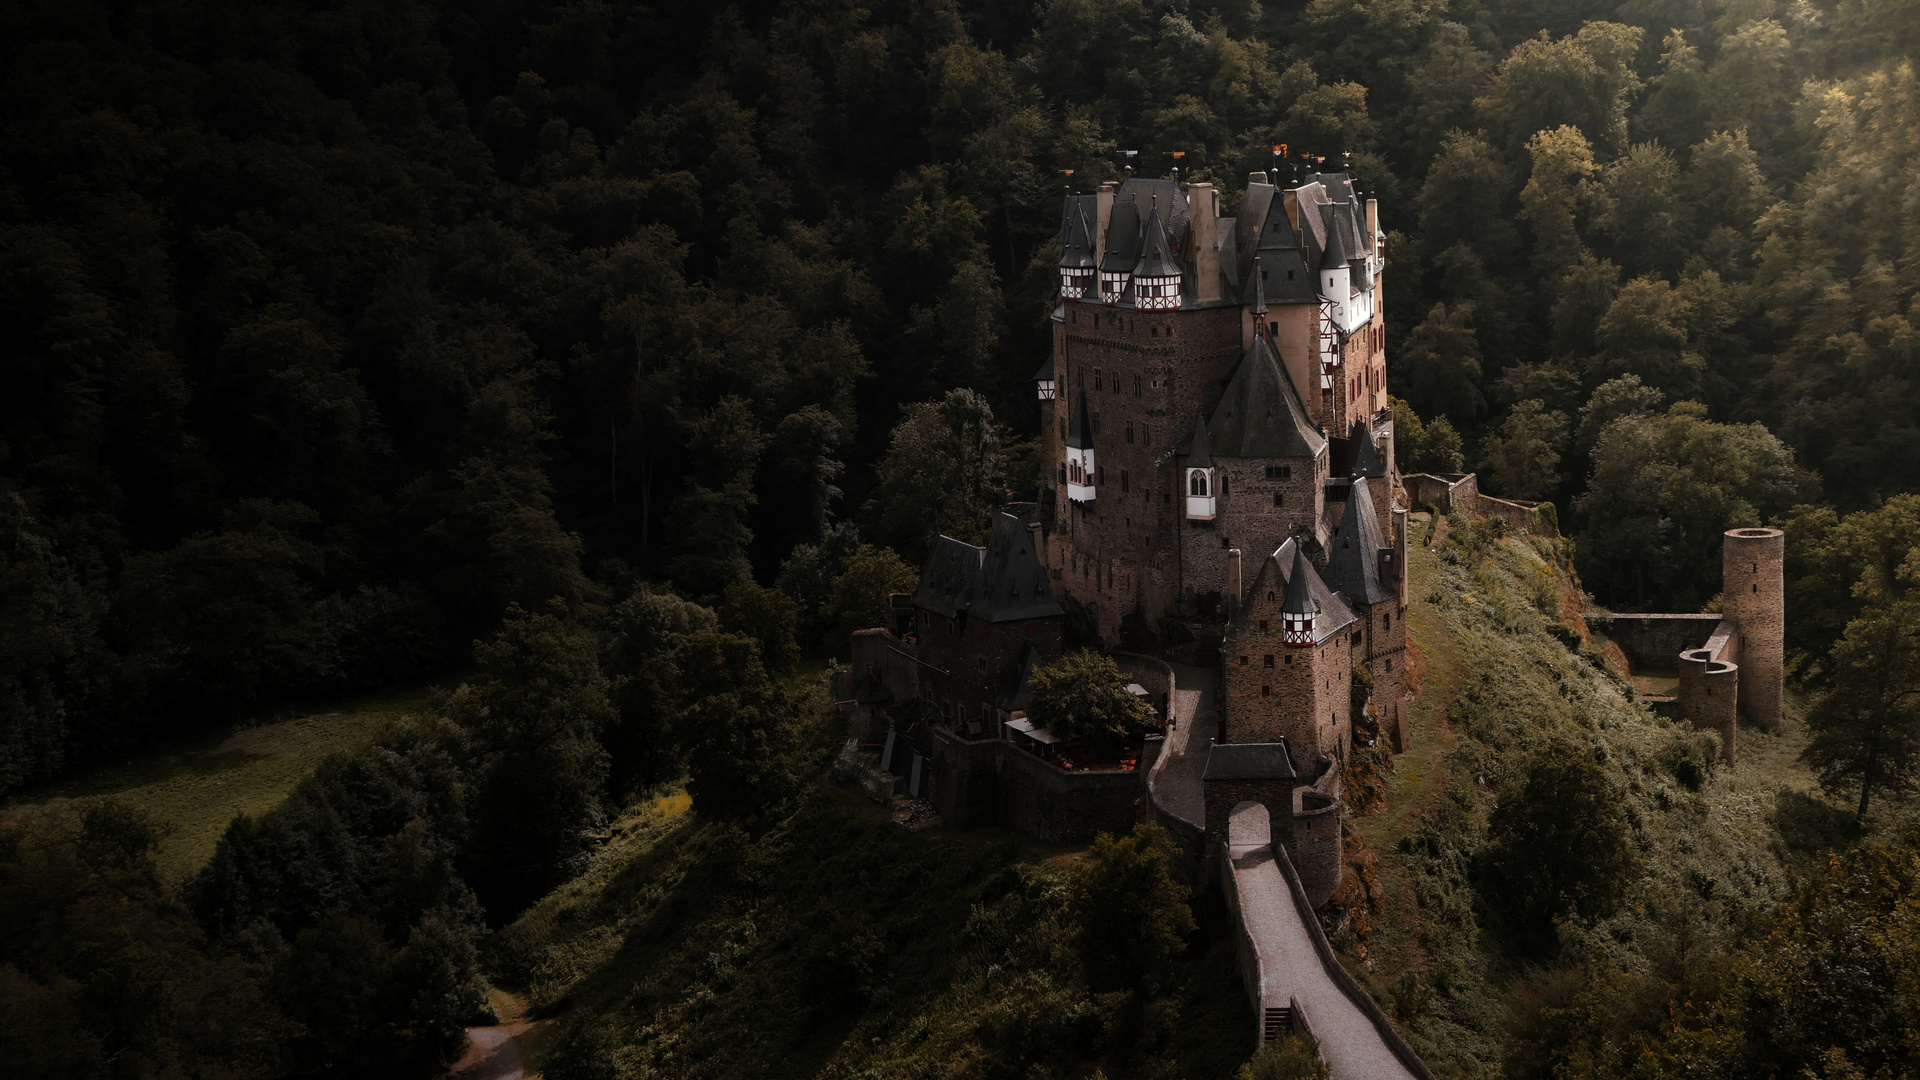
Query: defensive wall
<point>994,782</point>
<point>1447,492</point>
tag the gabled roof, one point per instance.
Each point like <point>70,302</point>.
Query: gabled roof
<point>1080,423</point>
<point>1353,560</point>
<point>1259,415</point>
<point>1011,583</point>
<point>1001,582</point>
<point>1156,255</point>
<point>1366,455</point>
<point>948,575</point>
<point>1249,761</point>
<point>1198,452</point>
<point>1045,374</point>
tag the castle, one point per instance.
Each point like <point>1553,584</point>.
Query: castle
<point>1220,455</point>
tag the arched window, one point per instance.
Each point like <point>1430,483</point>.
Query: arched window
<point>1197,484</point>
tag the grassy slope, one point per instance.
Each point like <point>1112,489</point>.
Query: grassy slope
<point>195,790</point>
<point>1498,685</point>
<point>693,950</point>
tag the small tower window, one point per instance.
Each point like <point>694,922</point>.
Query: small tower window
<point>1279,498</point>
<point>1129,431</point>
<point>1125,482</point>
<point>1269,659</point>
<point>1136,380</point>
<point>1097,374</point>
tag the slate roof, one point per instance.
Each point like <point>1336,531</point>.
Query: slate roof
<point>1045,374</point>
<point>1076,233</point>
<point>1011,584</point>
<point>1022,693</point>
<point>948,575</point>
<point>1366,454</point>
<point>1198,456</point>
<point>1249,761</point>
<point>1123,238</point>
<point>1156,255</point>
<point>1001,582</point>
<point>1080,423</point>
<point>1300,599</point>
<point>1259,415</point>
<point>1334,255</point>
<point>1353,561</point>
<point>1280,571</point>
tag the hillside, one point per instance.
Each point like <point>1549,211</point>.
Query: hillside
<point>1714,847</point>
<point>836,944</point>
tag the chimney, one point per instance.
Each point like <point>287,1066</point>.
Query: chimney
<point>1373,226</point>
<point>1203,212</point>
<point>1038,536</point>
<point>1103,209</point>
<point>1233,582</point>
<point>1256,178</point>
<point>1291,200</point>
<point>1400,553</point>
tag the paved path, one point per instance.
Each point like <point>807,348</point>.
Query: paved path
<point>1290,968</point>
<point>1178,785</point>
<point>493,1053</point>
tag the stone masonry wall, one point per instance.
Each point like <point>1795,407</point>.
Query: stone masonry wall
<point>1755,599</point>
<point>993,782</point>
<point>1654,641</point>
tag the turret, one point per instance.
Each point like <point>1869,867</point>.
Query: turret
<point>1122,251</point>
<point>1082,473</point>
<point>1336,276</point>
<point>1201,481</point>
<point>1076,254</point>
<point>1157,275</point>
<point>1043,379</point>
<point>1299,612</point>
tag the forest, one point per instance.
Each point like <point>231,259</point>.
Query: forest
<point>609,362</point>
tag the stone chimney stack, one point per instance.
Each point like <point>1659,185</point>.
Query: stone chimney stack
<point>1256,178</point>
<point>1233,582</point>
<point>1103,209</point>
<point>1373,227</point>
<point>1203,211</point>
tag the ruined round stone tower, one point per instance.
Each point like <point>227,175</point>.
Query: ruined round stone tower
<point>1755,600</point>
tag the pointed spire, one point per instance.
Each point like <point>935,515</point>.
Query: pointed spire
<point>1199,454</point>
<point>1300,611</point>
<point>1353,563</point>
<point>1080,424</point>
<point>1259,298</point>
<point>1335,255</point>
<point>1299,593</point>
<point>1367,461</point>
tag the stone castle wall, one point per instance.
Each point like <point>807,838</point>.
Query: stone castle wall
<point>994,782</point>
<point>1755,599</point>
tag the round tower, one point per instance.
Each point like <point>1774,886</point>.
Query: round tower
<point>1755,600</point>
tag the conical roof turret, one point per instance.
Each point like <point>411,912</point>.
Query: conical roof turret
<point>1199,453</point>
<point>1367,461</point>
<point>1299,586</point>
<point>1076,250</point>
<point>1334,256</point>
<point>1080,424</point>
<point>1156,255</point>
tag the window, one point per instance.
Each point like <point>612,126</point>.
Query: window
<point>1100,475</point>
<point>983,665</point>
<point>1096,378</point>
<point>1125,483</point>
<point>1136,381</point>
<point>1197,482</point>
<point>1273,328</point>
<point>1279,499</point>
<point>1269,659</point>
<point>1289,275</point>
<point>1263,626</point>
<point>1063,474</point>
<point>1129,431</point>
<point>1243,661</point>
<point>1386,622</point>
<point>1279,472</point>
<point>1266,691</point>
<point>1144,436</point>
<point>1032,628</point>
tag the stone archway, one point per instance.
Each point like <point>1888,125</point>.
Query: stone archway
<point>1249,826</point>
